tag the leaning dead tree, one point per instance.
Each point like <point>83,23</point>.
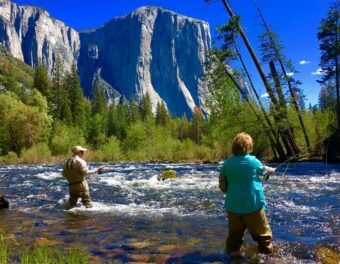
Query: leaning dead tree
<point>287,78</point>
<point>279,109</point>
<point>228,34</point>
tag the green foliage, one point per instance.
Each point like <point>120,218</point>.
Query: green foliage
<point>64,137</point>
<point>133,109</point>
<point>110,151</point>
<point>197,126</point>
<point>41,81</point>
<point>37,154</point>
<point>25,125</point>
<point>98,103</point>
<point>328,36</point>
<point>76,98</point>
<point>47,255</point>
<point>4,251</point>
<point>162,115</point>
<point>145,108</point>
<point>118,121</point>
<point>61,104</point>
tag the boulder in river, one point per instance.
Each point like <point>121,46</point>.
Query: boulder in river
<point>167,174</point>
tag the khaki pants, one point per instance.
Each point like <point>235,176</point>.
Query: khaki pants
<point>258,226</point>
<point>84,195</point>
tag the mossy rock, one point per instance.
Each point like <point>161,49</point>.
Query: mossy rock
<point>167,174</point>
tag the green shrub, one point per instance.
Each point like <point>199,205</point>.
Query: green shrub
<point>10,158</point>
<point>64,138</point>
<point>37,154</point>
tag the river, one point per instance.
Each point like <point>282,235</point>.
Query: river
<point>138,218</point>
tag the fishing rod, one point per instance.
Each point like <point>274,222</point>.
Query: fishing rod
<point>299,155</point>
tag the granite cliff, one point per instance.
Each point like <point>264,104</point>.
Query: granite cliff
<point>151,50</point>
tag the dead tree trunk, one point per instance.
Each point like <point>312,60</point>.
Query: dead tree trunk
<point>287,78</point>
<point>282,116</point>
<point>275,136</point>
<point>258,66</point>
<point>276,148</point>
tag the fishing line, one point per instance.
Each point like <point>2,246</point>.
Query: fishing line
<point>301,154</point>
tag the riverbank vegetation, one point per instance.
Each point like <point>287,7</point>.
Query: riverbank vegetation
<point>40,254</point>
<point>42,116</point>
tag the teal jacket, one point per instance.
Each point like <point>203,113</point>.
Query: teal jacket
<point>244,192</point>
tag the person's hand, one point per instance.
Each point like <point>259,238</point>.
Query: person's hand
<point>100,169</point>
<point>272,171</point>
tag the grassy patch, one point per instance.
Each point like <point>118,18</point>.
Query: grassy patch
<point>42,255</point>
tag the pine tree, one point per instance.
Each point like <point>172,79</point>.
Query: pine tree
<point>60,101</point>
<point>162,115</point>
<point>76,98</point>
<point>184,132</point>
<point>145,108</point>
<point>329,38</point>
<point>197,125</point>
<point>118,121</point>
<point>41,81</point>
<point>133,109</point>
<point>99,104</point>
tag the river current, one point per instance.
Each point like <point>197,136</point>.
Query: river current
<point>137,218</point>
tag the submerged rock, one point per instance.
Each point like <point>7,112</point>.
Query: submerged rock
<point>167,174</point>
<point>327,255</point>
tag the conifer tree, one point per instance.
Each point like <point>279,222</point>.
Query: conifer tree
<point>133,109</point>
<point>145,108</point>
<point>118,121</point>
<point>329,37</point>
<point>162,115</point>
<point>184,132</point>
<point>60,96</point>
<point>41,81</point>
<point>76,98</point>
<point>98,104</point>
<point>197,125</point>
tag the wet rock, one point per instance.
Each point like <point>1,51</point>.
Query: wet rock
<point>3,203</point>
<point>141,244</point>
<point>41,241</point>
<point>167,174</point>
<point>327,255</point>
<point>167,248</point>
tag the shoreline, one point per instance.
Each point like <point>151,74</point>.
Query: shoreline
<point>60,160</point>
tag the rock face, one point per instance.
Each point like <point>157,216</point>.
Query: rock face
<point>151,50</point>
<point>32,35</point>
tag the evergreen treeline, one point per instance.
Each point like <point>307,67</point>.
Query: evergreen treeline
<point>45,117</point>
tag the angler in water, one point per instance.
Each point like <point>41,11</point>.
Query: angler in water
<point>245,201</point>
<point>75,170</point>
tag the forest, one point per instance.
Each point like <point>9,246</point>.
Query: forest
<point>43,115</point>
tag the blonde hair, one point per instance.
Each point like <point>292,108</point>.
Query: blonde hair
<point>242,144</point>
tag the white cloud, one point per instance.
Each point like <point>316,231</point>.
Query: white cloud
<point>318,72</point>
<point>302,62</point>
<point>290,74</point>
<point>264,95</point>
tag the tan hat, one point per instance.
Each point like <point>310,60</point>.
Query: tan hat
<point>77,149</point>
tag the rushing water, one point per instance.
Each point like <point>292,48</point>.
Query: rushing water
<point>138,218</point>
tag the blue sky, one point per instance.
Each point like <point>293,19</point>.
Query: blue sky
<point>296,22</point>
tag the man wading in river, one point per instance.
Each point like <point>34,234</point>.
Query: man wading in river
<point>75,170</point>
<point>245,201</point>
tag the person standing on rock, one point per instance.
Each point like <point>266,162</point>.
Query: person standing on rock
<point>75,170</point>
<point>245,201</point>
